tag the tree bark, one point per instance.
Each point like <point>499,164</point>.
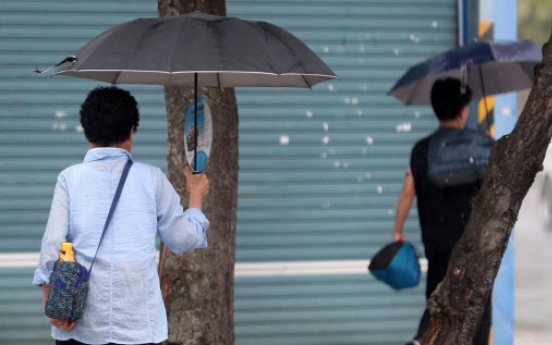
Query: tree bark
<point>198,287</point>
<point>458,302</point>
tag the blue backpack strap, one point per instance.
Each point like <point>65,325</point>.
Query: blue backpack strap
<point>113,205</point>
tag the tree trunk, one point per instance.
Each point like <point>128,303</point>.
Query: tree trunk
<point>198,287</point>
<point>458,302</point>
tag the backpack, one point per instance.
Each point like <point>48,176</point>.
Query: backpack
<point>458,156</point>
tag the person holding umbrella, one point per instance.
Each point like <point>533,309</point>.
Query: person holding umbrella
<point>446,171</point>
<point>124,303</point>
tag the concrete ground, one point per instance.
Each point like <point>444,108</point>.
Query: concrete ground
<point>533,260</point>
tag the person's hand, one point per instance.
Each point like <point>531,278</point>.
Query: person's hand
<point>197,186</point>
<point>66,325</point>
<point>399,237</point>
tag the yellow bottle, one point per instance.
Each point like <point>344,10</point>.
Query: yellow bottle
<point>66,253</point>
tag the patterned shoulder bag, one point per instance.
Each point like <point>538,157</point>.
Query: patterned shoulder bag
<point>69,280</point>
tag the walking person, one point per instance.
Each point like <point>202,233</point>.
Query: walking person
<point>446,171</point>
<point>124,303</point>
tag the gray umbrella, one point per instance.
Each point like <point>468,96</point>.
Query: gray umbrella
<point>223,51</point>
<point>197,49</point>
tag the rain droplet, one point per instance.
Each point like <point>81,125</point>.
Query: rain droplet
<point>325,140</point>
<point>396,51</point>
<point>345,165</point>
<point>506,111</point>
<point>55,126</point>
<point>359,112</point>
<point>417,114</point>
<point>331,88</point>
<point>325,126</point>
<point>61,113</point>
<point>390,212</point>
<point>369,140</point>
<point>354,101</point>
<point>380,189</point>
<point>326,49</point>
<point>62,127</point>
<point>308,113</point>
<point>368,175</point>
<point>337,164</point>
<point>434,24</point>
<point>284,140</point>
<point>347,100</point>
<point>404,127</point>
<point>79,129</point>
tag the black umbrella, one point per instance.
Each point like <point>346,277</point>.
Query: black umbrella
<point>489,68</point>
<point>198,49</point>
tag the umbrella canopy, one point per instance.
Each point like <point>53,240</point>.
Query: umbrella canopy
<point>490,68</point>
<point>223,51</point>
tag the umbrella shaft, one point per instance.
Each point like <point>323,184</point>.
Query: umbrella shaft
<point>195,122</point>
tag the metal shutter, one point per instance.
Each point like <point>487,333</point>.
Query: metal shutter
<point>321,170</point>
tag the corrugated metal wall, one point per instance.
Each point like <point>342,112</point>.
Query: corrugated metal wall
<point>320,170</point>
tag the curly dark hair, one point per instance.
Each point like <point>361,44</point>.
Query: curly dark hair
<point>447,98</point>
<point>108,114</point>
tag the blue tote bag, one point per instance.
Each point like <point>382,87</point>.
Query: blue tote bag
<point>397,264</point>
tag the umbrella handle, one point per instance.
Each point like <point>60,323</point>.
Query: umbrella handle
<point>464,71</point>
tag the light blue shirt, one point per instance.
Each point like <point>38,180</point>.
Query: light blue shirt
<point>124,303</point>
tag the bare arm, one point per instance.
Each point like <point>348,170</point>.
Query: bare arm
<point>45,290</point>
<point>406,197</point>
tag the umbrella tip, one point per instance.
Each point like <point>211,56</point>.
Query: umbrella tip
<point>71,59</point>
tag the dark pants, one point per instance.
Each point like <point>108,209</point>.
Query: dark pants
<point>74,342</point>
<point>436,271</point>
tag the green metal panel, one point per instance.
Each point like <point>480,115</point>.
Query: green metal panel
<point>22,319</point>
<point>40,133</point>
<point>332,309</point>
<point>320,169</point>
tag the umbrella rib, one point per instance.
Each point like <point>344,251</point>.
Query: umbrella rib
<point>116,77</point>
<point>305,79</point>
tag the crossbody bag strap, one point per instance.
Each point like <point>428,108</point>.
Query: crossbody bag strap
<point>113,205</point>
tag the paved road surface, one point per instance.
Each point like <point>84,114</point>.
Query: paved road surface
<point>533,272</point>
